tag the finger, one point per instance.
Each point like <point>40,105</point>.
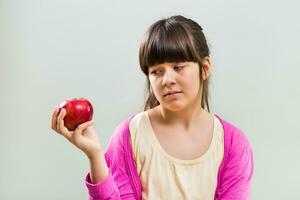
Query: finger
<point>61,124</point>
<point>60,117</point>
<point>85,125</point>
<point>54,118</point>
<point>79,130</point>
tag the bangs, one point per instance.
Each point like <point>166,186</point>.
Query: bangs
<point>167,43</point>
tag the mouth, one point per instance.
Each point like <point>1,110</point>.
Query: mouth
<point>170,93</point>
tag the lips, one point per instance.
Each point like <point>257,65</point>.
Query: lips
<point>172,92</point>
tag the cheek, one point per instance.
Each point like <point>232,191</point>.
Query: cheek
<point>193,86</point>
<point>156,89</point>
<point>153,85</point>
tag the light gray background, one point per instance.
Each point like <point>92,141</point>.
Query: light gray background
<point>53,50</point>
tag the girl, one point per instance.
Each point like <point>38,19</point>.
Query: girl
<point>175,148</point>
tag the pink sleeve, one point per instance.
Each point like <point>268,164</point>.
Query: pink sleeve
<point>117,186</point>
<point>237,173</point>
<point>104,190</point>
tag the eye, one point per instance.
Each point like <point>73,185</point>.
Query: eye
<point>178,67</point>
<point>155,72</point>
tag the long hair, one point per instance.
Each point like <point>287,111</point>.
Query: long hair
<point>173,39</point>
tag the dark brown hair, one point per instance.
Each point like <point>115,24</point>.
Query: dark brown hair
<point>173,39</point>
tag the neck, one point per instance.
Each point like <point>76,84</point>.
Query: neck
<point>184,119</point>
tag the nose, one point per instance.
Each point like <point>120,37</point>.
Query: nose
<point>168,78</point>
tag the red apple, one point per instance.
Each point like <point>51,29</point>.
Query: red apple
<point>79,110</point>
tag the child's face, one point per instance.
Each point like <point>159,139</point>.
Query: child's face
<point>182,77</point>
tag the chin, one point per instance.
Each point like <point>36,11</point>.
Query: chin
<point>174,107</point>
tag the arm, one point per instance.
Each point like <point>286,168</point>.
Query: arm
<point>108,178</point>
<point>116,185</point>
<point>237,173</point>
<point>98,168</point>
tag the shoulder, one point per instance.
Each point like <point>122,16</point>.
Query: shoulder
<point>235,138</point>
<point>237,168</point>
<point>137,119</point>
<point>120,137</point>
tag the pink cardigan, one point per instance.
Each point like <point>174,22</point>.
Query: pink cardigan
<point>234,177</point>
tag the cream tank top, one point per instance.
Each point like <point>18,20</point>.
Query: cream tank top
<point>164,177</point>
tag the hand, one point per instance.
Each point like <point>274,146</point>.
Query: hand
<point>83,137</point>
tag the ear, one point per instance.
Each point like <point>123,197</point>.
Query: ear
<point>207,68</point>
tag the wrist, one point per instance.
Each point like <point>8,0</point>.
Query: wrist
<point>96,155</point>
<point>98,168</point>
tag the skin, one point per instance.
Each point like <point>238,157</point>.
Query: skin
<point>84,138</point>
<point>185,110</point>
<point>182,113</point>
<point>183,128</point>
